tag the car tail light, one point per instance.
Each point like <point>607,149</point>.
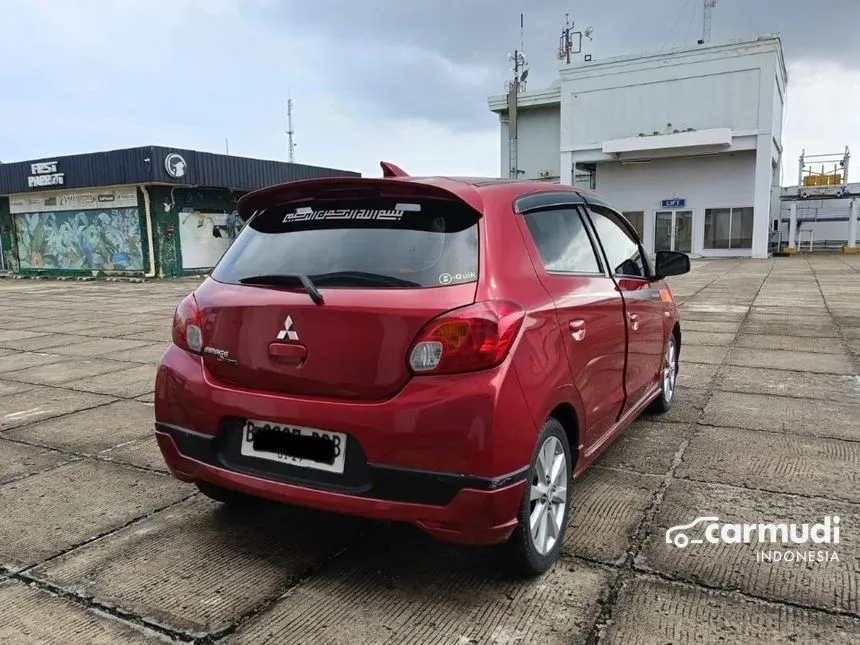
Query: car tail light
<point>473,338</point>
<point>187,327</point>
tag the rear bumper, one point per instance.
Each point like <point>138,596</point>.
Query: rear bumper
<point>480,511</point>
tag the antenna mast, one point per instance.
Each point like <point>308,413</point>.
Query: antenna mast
<point>571,41</point>
<point>706,20</point>
<point>290,131</point>
<point>514,87</point>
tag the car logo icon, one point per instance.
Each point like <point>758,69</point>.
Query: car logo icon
<point>676,535</point>
<point>287,332</point>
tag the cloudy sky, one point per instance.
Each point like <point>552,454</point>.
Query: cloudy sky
<point>405,80</point>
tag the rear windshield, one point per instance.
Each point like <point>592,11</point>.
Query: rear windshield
<point>378,243</point>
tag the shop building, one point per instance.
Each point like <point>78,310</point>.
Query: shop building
<point>686,142</point>
<point>138,212</point>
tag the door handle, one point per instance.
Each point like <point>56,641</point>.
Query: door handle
<point>577,329</point>
<point>634,321</point>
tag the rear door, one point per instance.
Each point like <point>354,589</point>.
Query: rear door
<point>384,265</point>
<point>644,309</point>
<point>589,309</point>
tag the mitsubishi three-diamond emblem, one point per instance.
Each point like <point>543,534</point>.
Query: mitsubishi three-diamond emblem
<point>287,331</point>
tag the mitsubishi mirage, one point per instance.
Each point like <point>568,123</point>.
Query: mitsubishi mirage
<point>447,352</point>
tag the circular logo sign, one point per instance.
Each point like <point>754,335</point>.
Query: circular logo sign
<point>446,278</point>
<point>175,165</point>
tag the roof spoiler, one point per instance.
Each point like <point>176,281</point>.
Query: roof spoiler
<point>390,170</point>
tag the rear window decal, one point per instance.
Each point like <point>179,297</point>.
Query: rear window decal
<point>448,278</point>
<point>308,214</point>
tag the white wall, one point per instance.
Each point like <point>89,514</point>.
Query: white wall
<point>539,138</point>
<point>720,86</point>
<point>705,182</point>
<point>645,105</point>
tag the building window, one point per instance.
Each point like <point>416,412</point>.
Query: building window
<point>637,218</point>
<point>728,228</point>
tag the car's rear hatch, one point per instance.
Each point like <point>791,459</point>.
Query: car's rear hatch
<point>385,255</point>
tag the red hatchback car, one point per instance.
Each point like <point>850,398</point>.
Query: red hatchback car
<point>446,352</point>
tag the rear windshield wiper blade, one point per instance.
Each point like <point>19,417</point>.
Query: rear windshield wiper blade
<point>362,278</point>
<point>287,279</point>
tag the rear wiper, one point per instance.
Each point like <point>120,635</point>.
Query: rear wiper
<point>287,279</point>
<point>362,278</point>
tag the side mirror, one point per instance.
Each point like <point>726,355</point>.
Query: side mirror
<point>671,263</point>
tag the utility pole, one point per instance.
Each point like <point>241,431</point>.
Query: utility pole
<point>290,131</point>
<point>514,87</point>
<point>706,21</point>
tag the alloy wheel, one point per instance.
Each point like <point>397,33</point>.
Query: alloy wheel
<point>670,371</point>
<point>548,497</point>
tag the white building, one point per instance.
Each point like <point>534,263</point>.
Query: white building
<point>686,142</point>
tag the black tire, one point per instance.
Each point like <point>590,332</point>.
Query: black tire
<point>523,557</point>
<point>663,403</point>
<point>224,495</point>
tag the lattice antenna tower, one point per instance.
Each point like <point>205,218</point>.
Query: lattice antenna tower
<point>706,20</point>
<point>290,131</point>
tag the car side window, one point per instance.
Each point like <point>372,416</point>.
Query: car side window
<point>563,241</point>
<point>620,245</point>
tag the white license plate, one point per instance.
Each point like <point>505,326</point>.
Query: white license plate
<point>294,445</point>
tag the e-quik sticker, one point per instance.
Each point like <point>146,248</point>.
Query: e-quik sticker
<point>448,278</point>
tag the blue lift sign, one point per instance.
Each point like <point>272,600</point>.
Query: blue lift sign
<point>674,203</point>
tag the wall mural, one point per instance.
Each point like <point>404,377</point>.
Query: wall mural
<point>107,240</point>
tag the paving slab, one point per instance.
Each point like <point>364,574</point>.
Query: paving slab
<point>791,343</point>
<point>696,375</point>
<point>29,616</point>
<point>199,567</point>
<point>146,398</point>
<point>66,371</point>
<point>607,507</point>
<point>39,403</point>
<point>646,447</point>
<point>43,342</point>
<point>775,413</point>
<point>804,330</point>
<point>710,338</point>
<point>127,383</point>
<point>399,592</point>
<point>18,460</point>
<point>149,353</point>
<point>143,453</point>
<point>828,468</point>
<point>712,326</point>
<point>657,612</point>
<point>13,387</point>
<point>828,584</point>
<point>808,385</point>
<point>808,362</point>
<point>16,334</point>
<point>12,363</point>
<point>50,512</point>
<point>702,354</point>
<point>91,431</point>
<point>99,347</point>
<point>687,407</point>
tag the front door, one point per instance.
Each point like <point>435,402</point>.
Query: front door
<point>643,308</point>
<point>673,231</point>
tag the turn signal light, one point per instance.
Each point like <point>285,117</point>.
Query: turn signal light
<point>473,338</point>
<point>187,326</point>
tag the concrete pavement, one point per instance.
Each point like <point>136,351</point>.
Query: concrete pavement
<point>99,545</point>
